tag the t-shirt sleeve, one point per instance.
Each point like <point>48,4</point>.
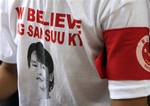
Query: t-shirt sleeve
<point>127,53</point>
<point>7,45</point>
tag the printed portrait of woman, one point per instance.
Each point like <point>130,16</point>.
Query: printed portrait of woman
<point>40,61</point>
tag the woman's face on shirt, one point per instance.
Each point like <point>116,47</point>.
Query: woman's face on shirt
<point>40,70</point>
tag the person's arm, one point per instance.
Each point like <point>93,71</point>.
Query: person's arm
<point>127,79</point>
<point>130,102</point>
<point>8,80</point>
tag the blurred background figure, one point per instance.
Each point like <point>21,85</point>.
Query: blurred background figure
<point>11,101</point>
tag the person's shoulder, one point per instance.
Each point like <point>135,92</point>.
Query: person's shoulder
<point>114,5</point>
<point>119,2</point>
<point>111,6</point>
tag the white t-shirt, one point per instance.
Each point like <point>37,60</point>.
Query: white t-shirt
<point>70,52</point>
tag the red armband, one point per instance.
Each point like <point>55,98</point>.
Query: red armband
<point>127,54</point>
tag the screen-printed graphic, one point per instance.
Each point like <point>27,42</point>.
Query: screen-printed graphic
<point>40,61</point>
